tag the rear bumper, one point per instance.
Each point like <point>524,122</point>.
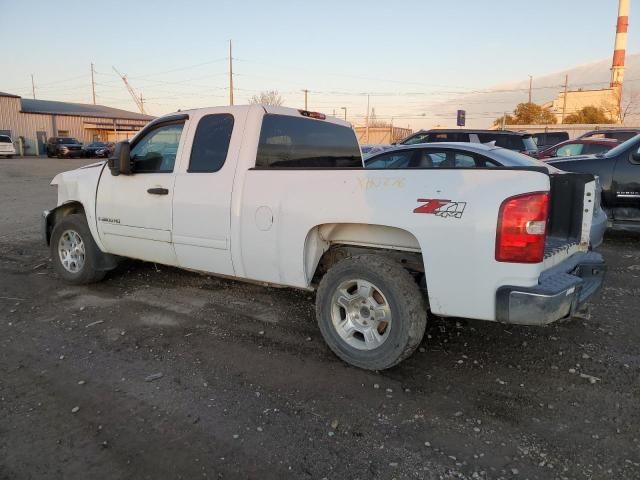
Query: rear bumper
<point>559,293</point>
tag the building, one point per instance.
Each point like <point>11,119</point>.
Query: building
<point>31,122</point>
<point>606,98</point>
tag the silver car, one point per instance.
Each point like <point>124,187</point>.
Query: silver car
<point>474,155</point>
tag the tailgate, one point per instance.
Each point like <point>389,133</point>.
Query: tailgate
<point>571,209</point>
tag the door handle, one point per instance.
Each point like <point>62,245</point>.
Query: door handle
<point>158,191</point>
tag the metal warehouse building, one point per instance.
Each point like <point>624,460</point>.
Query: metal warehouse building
<point>31,122</point>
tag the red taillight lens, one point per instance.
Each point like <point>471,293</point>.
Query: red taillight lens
<point>522,224</point>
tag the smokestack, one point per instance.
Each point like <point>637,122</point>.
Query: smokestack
<point>617,67</point>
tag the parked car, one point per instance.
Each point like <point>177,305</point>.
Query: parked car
<point>6,146</point>
<point>545,140</point>
<point>518,141</point>
<point>62,147</point>
<point>98,149</point>
<point>586,146</point>
<point>620,134</point>
<point>467,156</point>
<point>619,174</point>
<point>280,196</point>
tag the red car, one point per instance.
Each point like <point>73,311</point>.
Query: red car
<point>583,146</point>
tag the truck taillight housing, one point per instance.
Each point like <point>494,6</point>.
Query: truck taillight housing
<point>522,225</point>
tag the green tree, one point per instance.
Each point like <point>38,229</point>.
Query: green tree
<point>589,114</point>
<point>528,114</point>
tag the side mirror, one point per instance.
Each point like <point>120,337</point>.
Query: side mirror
<point>120,160</point>
<point>635,157</point>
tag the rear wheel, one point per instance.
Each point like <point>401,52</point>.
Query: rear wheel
<point>370,311</point>
<point>74,252</point>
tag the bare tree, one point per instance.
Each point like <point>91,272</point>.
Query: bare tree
<point>628,105</point>
<point>267,97</point>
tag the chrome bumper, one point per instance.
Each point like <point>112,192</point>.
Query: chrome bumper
<point>559,293</point>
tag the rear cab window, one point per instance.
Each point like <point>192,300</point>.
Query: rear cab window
<point>211,143</point>
<point>293,142</point>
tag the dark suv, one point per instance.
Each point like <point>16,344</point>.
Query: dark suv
<point>64,147</point>
<point>518,141</point>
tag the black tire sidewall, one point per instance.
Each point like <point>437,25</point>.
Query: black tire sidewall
<point>394,346</point>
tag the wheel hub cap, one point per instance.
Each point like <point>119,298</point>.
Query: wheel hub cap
<point>361,314</point>
<point>71,251</point>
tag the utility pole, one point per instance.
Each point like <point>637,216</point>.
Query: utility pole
<point>564,102</point>
<point>33,87</point>
<point>141,102</point>
<point>306,92</point>
<point>93,86</point>
<point>367,118</point>
<point>530,87</point>
<point>345,112</point>
<point>230,75</point>
<point>334,112</point>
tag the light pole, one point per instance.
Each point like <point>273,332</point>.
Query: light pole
<point>345,112</point>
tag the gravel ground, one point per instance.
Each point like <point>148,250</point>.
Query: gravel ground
<point>160,373</point>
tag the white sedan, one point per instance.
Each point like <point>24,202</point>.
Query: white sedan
<point>6,146</point>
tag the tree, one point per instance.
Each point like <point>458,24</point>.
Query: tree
<point>528,114</point>
<point>267,97</point>
<point>589,114</point>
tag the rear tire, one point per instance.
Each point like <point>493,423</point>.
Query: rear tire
<point>74,252</point>
<point>370,311</point>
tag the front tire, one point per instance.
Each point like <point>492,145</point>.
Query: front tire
<point>74,252</point>
<point>370,311</point>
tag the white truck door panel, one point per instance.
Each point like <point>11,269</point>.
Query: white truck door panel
<point>134,212</point>
<point>202,192</point>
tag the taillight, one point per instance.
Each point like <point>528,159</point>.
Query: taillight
<point>522,224</point>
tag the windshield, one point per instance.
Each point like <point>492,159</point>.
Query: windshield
<point>98,144</point>
<point>622,147</point>
<point>529,144</point>
<point>4,139</point>
<point>67,140</point>
<point>417,138</point>
<point>510,158</point>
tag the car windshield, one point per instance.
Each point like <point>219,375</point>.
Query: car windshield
<point>510,158</point>
<point>614,152</point>
<point>529,143</point>
<point>4,139</point>
<point>67,140</point>
<point>98,144</point>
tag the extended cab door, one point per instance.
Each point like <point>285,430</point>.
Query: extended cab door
<point>203,189</point>
<point>134,211</point>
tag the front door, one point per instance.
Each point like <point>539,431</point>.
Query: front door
<point>626,185</point>
<point>203,189</point>
<point>134,212</point>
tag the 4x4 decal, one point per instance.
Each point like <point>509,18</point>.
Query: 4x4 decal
<point>441,208</point>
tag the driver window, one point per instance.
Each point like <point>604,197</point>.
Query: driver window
<point>156,151</point>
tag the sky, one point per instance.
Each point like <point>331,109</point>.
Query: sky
<point>407,56</point>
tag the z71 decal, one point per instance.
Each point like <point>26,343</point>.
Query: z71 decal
<point>441,208</point>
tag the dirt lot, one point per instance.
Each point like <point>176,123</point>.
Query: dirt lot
<point>247,388</point>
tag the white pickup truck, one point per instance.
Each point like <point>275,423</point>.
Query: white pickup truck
<point>280,196</point>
